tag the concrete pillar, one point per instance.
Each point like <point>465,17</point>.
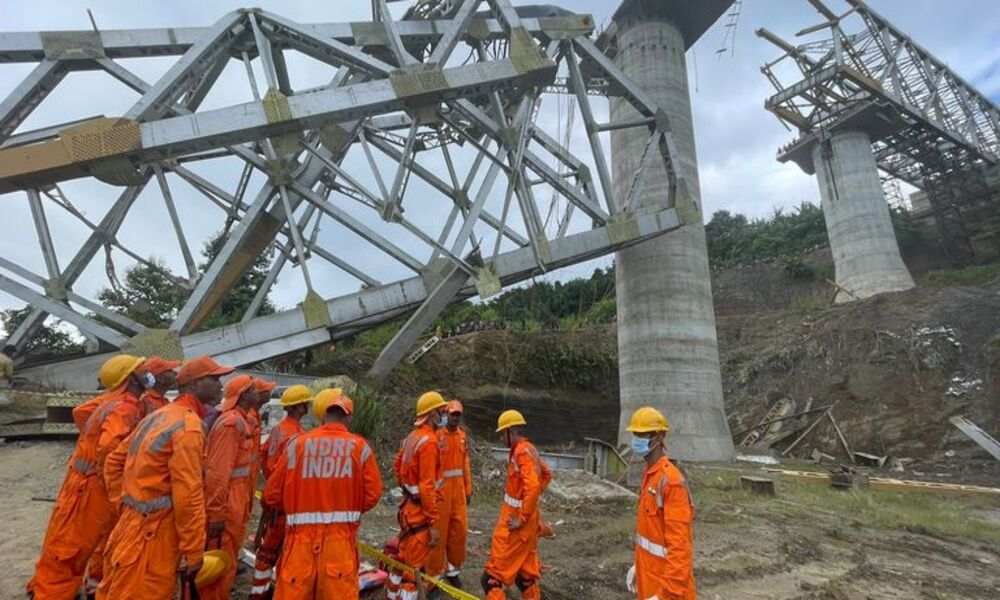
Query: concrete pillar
<point>667,348</point>
<point>865,254</point>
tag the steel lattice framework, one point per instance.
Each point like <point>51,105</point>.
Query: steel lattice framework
<point>397,92</point>
<point>924,120</point>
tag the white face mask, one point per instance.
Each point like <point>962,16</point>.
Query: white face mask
<point>443,420</point>
<point>148,380</point>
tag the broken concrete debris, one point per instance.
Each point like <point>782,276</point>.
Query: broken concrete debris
<point>760,486</point>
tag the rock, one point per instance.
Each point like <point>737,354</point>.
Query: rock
<point>576,486</point>
<point>393,496</point>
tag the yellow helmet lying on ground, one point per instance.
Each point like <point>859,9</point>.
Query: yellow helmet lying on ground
<point>647,419</point>
<point>429,401</point>
<point>295,394</point>
<point>116,370</point>
<point>215,564</point>
<point>331,397</point>
<point>508,419</point>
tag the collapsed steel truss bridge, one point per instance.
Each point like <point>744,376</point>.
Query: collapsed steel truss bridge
<point>399,97</point>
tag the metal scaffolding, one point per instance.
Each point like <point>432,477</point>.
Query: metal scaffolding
<point>399,95</point>
<point>928,126</point>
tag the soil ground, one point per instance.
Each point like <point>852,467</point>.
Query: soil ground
<point>808,542</point>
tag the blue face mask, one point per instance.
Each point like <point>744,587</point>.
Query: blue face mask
<point>443,420</point>
<point>641,445</point>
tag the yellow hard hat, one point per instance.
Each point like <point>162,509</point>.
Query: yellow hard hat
<point>214,564</point>
<point>331,397</point>
<point>429,401</point>
<point>295,394</point>
<point>116,370</point>
<point>510,418</point>
<point>647,419</point>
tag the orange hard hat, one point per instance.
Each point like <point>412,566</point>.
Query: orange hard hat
<point>264,386</point>
<point>234,389</point>
<point>157,365</point>
<point>454,406</point>
<point>202,366</point>
<point>327,399</point>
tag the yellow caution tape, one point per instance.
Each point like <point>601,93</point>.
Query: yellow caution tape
<point>367,550</point>
<point>452,591</point>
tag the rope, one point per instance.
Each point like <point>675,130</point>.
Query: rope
<point>452,591</point>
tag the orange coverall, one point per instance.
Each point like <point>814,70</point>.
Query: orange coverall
<point>156,475</point>
<point>328,479</point>
<point>663,564</point>
<point>274,532</point>
<point>227,497</point>
<point>514,554</point>
<point>418,471</point>
<point>83,514</point>
<point>152,400</point>
<point>453,523</point>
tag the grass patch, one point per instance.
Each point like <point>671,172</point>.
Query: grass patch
<point>814,302</point>
<point>879,509</point>
<point>974,275</point>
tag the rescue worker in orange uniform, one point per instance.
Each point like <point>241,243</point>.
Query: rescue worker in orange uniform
<point>227,477</point>
<point>514,550</point>
<point>326,479</point>
<point>156,475</point>
<point>453,523</point>
<point>663,566</point>
<point>82,514</point>
<point>158,376</point>
<point>264,389</point>
<point>164,374</point>
<point>295,400</point>
<point>418,471</point>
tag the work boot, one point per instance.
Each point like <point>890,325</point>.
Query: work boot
<point>454,581</point>
<point>435,594</point>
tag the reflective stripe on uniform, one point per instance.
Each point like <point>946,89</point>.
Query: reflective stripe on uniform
<point>258,574</point>
<point>260,589</point>
<point>323,518</point>
<point>84,467</point>
<point>98,416</point>
<point>291,452</point>
<point>412,490</point>
<point>648,546</point>
<point>438,484</point>
<point>366,451</point>
<point>148,506</point>
<point>164,436</point>
<point>511,501</point>
<point>240,473</point>
<point>453,473</point>
<point>407,594</point>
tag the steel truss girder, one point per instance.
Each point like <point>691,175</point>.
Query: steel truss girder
<point>464,103</point>
<point>881,71</point>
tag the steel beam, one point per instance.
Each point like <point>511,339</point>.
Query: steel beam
<point>98,309</point>
<point>106,230</point>
<point>62,311</point>
<point>419,321</point>
<point>286,331</point>
<point>28,46</point>
<point>28,94</point>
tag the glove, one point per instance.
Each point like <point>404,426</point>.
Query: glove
<point>630,579</point>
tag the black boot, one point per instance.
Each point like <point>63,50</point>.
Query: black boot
<point>454,581</point>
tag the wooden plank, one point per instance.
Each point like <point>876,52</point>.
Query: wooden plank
<point>840,434</point>
<point>896,485</point>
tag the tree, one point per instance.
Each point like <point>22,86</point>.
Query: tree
<point>48,339</point>
<point>150,296</point>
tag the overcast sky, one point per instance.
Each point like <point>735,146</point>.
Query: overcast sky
<point>736,138</point>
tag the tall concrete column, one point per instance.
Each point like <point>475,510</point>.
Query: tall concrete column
<point>667,348</point>
<point>865,254</point>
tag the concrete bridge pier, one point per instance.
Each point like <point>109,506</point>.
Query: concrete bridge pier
<point>667,348</point>
<point>865,253</point>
